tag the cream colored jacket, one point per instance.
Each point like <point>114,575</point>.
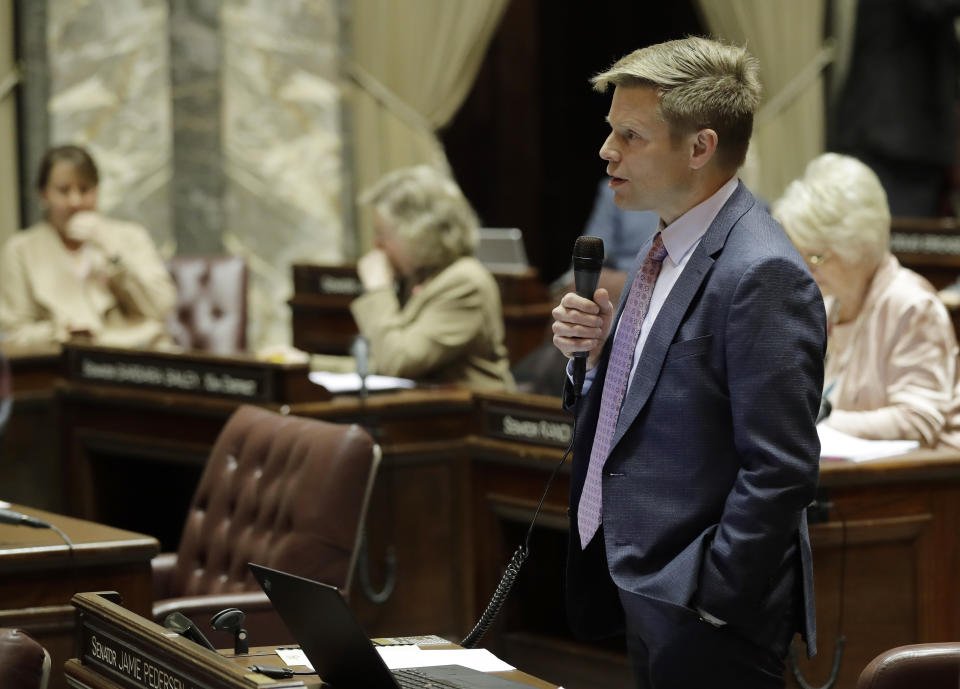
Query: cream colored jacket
<point>449,331</point>
<point>895,365</point>
<point>124,300</point>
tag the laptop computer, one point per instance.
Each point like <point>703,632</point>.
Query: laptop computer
<point>342,654</point>
<point>501,250</point>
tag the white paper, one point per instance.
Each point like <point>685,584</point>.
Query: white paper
<point>398,657</point>
<point>350,382</point>
<point>293,656</point>
<point>837,445</point>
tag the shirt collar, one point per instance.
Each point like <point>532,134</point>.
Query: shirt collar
<point>683,233</point>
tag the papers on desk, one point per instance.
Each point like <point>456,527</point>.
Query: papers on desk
<point>837,445</point>
<point>399,657</point>
<point>350,382</point>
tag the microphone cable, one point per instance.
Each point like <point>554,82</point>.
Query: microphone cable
<point>8,516</point>
<point>520,555</point>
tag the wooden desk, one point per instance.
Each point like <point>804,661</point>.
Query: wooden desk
<point>322,321</point>
<point>124,427</point>
<point>39,574</point>
<point>29,468</point>
<point>886,558</point>
<point>117,438</point>
<point>121,650</point>
<point>461,476</point>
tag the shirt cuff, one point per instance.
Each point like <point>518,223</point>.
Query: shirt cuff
<point>587,380</point>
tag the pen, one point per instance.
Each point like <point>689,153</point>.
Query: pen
<point>829,389</point>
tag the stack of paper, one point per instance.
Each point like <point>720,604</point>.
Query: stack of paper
<point>350,382</point>
<point>837,445</point>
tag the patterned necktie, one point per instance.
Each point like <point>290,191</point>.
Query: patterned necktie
<point>615,387</point>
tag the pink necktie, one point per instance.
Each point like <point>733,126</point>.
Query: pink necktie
<point>615,387</point>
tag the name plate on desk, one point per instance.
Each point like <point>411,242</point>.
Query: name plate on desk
<point>331,280</point>
<point>126,664</point>
<point>193,373</point>
<point>126,650</point>
<point>526,426</point>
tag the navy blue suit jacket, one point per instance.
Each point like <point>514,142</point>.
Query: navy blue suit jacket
<point>715,456</point>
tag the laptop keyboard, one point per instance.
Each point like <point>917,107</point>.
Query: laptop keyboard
<point>412,678</point>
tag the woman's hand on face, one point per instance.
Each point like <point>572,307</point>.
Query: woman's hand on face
<point>375,271</point>
<point>83,227</point>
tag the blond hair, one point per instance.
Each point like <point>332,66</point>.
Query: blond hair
<point>702,83</point>
<point>429,213</point>
<point>839,207</point>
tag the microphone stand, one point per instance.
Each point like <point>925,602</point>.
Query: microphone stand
<point>360,349</point>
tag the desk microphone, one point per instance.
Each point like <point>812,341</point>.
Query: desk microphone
<point>360,350</point>
<point>587,264</point>
<point>184,626</point>
<point>21,519</point>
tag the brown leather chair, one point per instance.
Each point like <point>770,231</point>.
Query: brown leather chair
<point>211,311</point>
<point>926,666</point>
<point>282,491</point>
<point>24,664</point>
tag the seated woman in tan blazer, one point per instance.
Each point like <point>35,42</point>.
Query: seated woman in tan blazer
<point>447,326</point>
<point>891,370</point>
<point>78,274</point>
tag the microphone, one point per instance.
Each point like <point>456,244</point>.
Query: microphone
<point>360,349</point>
<point>587,264</point>
<point>231,620</point>
<point>20,519</point>
<point>184,626</point>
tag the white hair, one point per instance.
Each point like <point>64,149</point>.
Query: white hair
<point>429,213</point>
<point>838,207</point>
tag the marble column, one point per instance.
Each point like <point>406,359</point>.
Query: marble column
<point>281,147</point>
<point>32,98</point>
<point>109,86</point>
<point>198,180</point>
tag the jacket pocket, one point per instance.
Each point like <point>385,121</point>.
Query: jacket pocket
<point>688,348</point>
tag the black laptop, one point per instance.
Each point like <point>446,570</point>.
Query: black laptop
<point>320,620</point>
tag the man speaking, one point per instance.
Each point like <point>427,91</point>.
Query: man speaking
<point>696,450</point>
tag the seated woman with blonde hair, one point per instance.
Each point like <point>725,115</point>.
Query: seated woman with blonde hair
<point>891,370</point>
<point>449,326</point>
<point>78,274</point>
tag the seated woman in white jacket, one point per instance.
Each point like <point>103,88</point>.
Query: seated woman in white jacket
<point>447,324</point>
<point>891,369</point>
<point>78,274</point>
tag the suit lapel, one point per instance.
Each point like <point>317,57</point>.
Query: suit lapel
<point>675,307</point>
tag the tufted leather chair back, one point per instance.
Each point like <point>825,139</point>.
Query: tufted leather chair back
<point>211,311</point>
<point>24,664</point>
<point>930,666</point>
<point>283,491</point>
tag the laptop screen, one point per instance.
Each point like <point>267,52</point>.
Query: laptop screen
<point>320,620</point>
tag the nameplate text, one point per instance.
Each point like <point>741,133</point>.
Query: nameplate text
<point>523,426</point>
<point>214,378</point>
<point>129,666</point>
<point>340,285</point>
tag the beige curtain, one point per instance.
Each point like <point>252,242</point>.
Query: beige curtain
<point>9,76</point>
<point>413,63</point>
<point>787,37</point>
